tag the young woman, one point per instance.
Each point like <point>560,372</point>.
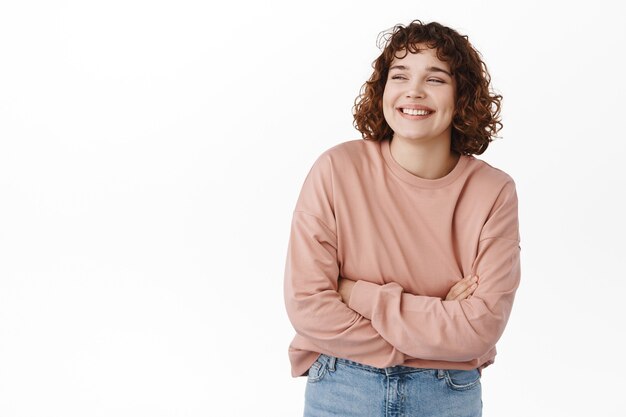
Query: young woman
<point>404,256</point>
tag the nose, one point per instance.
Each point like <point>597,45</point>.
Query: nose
<point>416,90</point>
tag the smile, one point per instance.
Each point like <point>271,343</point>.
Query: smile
<point>414,114</point>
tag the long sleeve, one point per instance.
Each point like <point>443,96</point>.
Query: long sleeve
<point>434,329</point>
<point>313,304</point>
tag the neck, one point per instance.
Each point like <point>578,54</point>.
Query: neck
<point>425,160</point>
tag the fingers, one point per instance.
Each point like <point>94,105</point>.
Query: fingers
<point>465,294</point>
<point>471,284</point>
<point>456,290</point>
<point>463,288</point>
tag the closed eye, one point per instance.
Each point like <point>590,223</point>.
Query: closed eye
<point>435,80</point>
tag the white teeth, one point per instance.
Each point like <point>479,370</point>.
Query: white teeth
<point>415,112</point>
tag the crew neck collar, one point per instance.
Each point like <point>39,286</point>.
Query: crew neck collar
<point>412,179</point>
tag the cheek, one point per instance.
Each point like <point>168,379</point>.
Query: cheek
<point>391,93</point>
<point>386,97</point>
<point>448,102</point>
<point>387,103</point>
<point>452,99</point>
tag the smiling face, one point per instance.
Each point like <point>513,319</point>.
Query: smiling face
<point>418,100</point>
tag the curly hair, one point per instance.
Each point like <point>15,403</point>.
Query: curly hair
<point>476,119</point>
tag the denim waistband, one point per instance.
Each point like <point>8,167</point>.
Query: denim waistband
<point>393,370</point>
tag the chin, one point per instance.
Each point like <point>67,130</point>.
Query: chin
<point>413,136</point>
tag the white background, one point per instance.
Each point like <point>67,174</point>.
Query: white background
<point>151,153</point>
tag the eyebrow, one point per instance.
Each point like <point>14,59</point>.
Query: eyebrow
<point>429,69</point>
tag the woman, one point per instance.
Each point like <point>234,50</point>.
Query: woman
<point>404,256</point>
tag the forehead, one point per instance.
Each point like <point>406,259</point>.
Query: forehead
<point>424,57</point>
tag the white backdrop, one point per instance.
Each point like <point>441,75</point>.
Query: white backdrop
<point>151,154</point>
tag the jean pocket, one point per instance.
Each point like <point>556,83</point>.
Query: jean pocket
<point>317,370</point>
<point>460,380</point>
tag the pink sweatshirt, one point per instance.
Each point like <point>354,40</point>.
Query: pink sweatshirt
<point>406,240</point>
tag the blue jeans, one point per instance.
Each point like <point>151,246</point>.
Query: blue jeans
<point>340,387</point>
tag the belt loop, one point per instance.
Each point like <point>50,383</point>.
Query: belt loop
<point>331,363</point>
<point>440,373</point>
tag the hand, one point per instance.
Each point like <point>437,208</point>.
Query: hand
<point>463,289</point>
<point>345,289</point>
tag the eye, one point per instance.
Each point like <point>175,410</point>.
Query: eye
<point>398,77</point>
<point>437,81</point>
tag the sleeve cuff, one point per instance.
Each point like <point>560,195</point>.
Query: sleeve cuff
<point>362,298</point>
